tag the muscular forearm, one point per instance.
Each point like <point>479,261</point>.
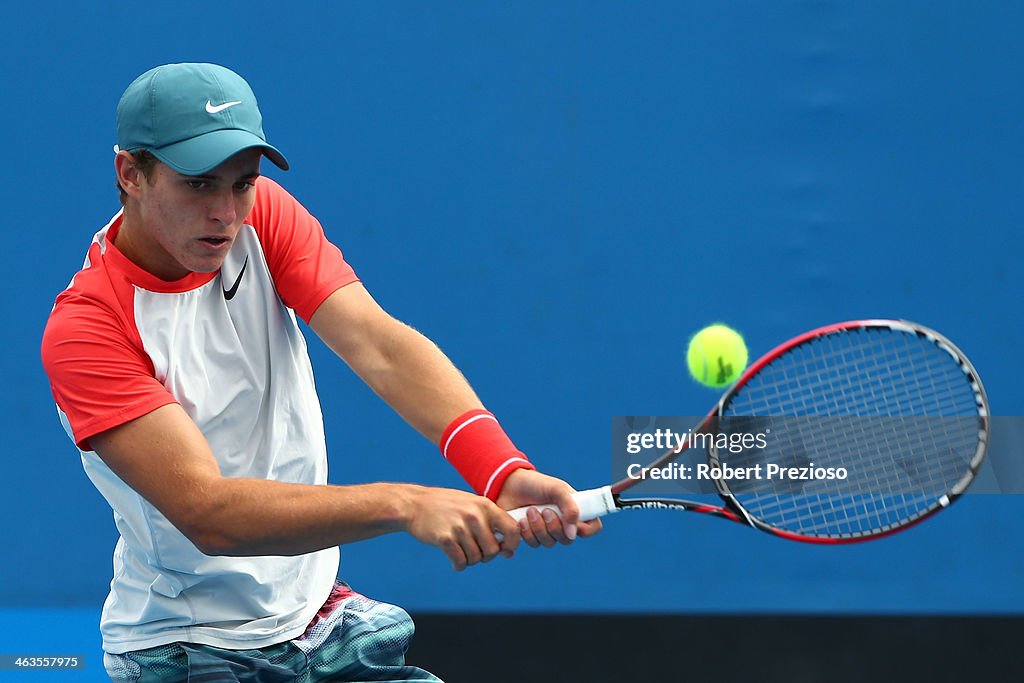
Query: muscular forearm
<point>401,365</point>
<point>260,517</point>
<point>423,386</point>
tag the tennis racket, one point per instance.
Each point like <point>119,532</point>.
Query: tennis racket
<point>892,402</point>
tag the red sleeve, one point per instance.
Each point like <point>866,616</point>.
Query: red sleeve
<point>305,266</point>
<point>99,374</point>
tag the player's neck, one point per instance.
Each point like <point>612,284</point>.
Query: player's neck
<point>134,243</point>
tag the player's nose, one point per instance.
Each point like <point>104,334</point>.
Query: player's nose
<point>223,209</point>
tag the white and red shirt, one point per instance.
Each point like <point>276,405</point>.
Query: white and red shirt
<point>226,347</point>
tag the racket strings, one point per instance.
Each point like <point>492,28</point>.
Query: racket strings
<point>860,376</point>
<point>892,408</point>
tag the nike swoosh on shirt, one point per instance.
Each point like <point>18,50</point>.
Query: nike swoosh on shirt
<point>229,294</point>
<point>215,108</point>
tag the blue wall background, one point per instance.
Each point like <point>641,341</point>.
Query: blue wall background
<point>559,194</point>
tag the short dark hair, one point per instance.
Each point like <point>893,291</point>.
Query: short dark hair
<point>144,161</point>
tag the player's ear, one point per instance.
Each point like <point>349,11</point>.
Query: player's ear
<point>129,176</point>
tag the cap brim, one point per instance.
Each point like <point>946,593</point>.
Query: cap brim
<point>206,152</point>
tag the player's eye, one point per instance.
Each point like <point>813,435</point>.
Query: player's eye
<point>196,184</point>
<point>244,186</point>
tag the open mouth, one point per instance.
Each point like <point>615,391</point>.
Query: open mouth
<point>214,241</point>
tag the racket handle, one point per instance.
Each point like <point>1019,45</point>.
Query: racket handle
<point>593,504</point>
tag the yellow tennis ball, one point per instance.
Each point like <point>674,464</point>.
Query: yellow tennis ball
<point>716,356</point>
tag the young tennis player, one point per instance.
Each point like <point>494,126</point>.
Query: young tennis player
<point>182,376</point>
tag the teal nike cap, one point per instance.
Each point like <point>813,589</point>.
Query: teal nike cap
<point>192,117</point>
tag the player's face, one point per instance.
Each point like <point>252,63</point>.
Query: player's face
<point>188,223</point>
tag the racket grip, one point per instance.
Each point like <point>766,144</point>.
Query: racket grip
<point>593,503</point>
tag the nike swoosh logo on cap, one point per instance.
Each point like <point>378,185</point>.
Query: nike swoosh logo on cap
<point>215,108</point>
<point>229,294</point>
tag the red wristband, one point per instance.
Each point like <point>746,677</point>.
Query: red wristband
<point>480,450</point>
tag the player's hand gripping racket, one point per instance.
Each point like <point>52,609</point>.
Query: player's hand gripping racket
<point>894,403</point>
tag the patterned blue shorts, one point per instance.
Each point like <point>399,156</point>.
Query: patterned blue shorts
<point>352,638</point>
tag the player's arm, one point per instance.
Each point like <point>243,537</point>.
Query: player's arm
<point>164,457</point>
<point>414,377</point>
<point>401,365</point>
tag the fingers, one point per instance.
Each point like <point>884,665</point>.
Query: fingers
<point>570,515</point>
<point>588,529</point>
<point>544,528</point>
<point>507,531</point>
<point>496,534</point>
<point>526,529</point>
<point>463,549</point>
<point>474,545</point>
<point>547,527</point>
<point>453,549</point>
<point>474,540</point>
<point>471,530</point>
